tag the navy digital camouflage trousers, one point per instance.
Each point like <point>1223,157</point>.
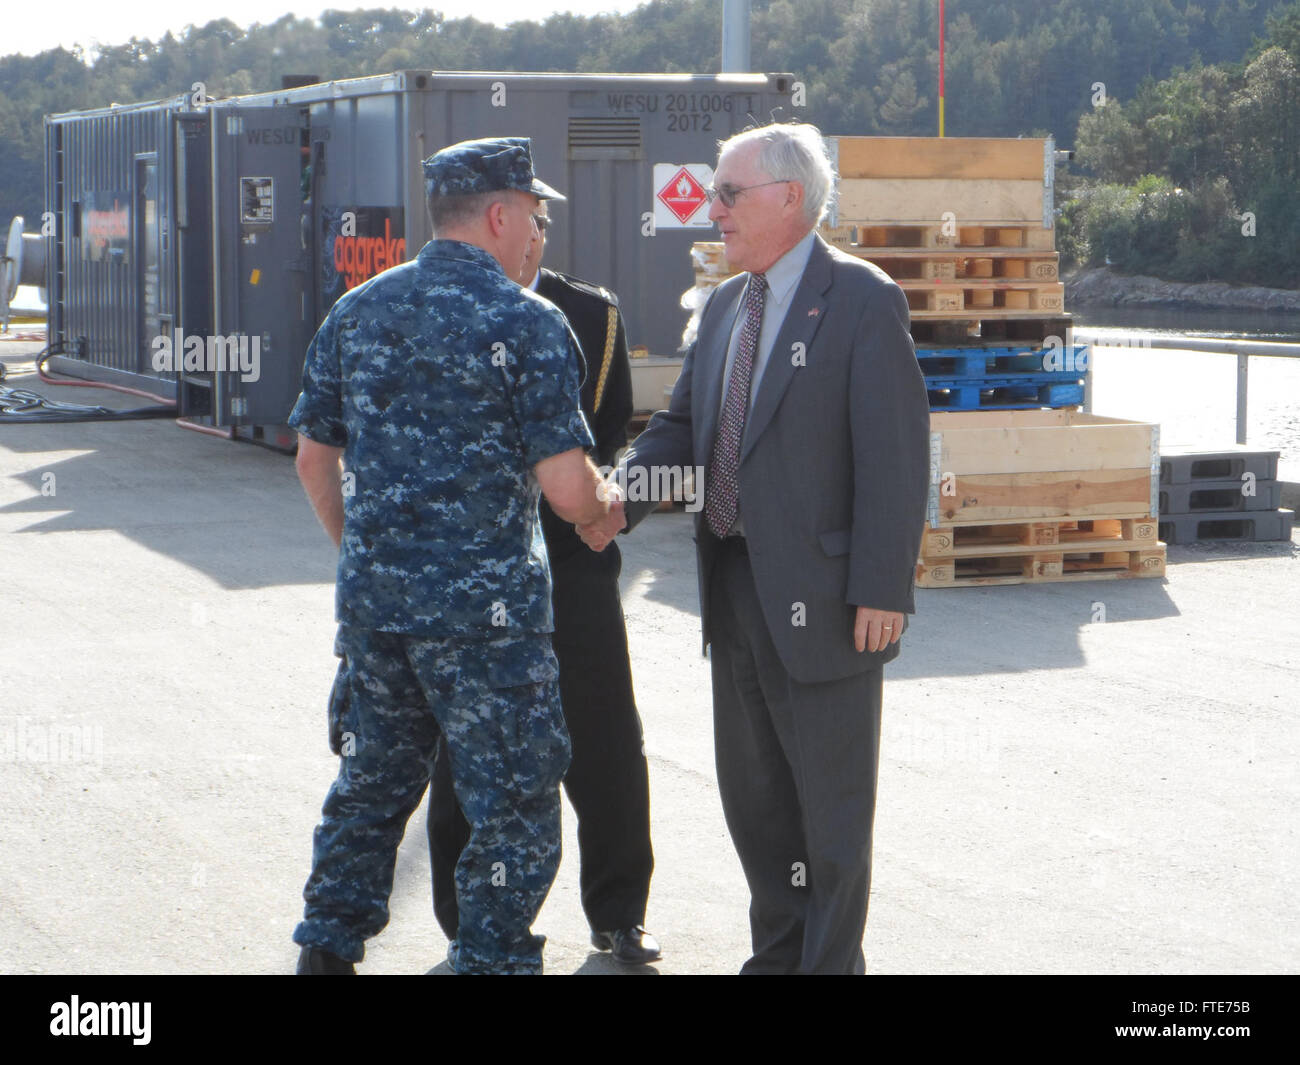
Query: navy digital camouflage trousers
<point>496,702</point>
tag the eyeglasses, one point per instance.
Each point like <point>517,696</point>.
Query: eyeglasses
<point>728,193</point>
<point>542,222</point>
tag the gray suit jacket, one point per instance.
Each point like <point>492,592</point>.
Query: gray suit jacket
<point>834,464</point>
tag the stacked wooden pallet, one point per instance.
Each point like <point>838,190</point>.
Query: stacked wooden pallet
<point>1039,496</point>
<point>964,225</point>
<point>1229,494</point>
<point>1017,494</point>
<point>991,375</point>
<point>964,281</point>
<point>959,225</point>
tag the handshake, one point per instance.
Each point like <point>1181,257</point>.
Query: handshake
<point>598,534</point>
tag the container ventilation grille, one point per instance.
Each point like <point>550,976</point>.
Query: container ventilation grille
<point>612,131</point>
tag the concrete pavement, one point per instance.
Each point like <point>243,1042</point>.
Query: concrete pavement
<point>1058,794</point>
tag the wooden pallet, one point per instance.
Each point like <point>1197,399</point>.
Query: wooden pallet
<point>982,299</point>
<point>1116,561</point>
<point>937,264</point>
<point>879,237</point>
<point>1002,323</point>
<point>1012,538</point>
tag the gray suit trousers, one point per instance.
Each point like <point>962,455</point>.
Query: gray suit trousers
<point>797,776</point>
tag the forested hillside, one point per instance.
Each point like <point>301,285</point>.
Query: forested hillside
<point>870,66</point>
<point>1196,177</point>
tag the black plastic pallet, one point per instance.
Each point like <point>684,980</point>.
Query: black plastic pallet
<point>1187,465</point>
<point>1027,330</point>
<point>1258,525</point>
<point>1223,496</point>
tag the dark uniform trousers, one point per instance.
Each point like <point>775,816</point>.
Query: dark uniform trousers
<point>797,777</point>
<point>607,782</point>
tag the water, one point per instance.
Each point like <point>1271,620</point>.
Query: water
<point>1279,327</point>
<point>1192,395</point>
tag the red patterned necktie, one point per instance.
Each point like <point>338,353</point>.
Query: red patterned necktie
<point>722,490</point>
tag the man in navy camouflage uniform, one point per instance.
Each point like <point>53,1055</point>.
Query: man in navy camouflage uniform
<point>451,396</point>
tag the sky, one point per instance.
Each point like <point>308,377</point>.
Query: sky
<point>34,27</point>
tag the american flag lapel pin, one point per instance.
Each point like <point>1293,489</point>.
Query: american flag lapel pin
<point>814,312</point>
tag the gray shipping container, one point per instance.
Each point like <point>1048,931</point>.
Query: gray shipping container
<point>245,218</point>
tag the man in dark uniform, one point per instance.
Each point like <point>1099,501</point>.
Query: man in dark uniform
<point>451,395</point>
<point>607,780</point>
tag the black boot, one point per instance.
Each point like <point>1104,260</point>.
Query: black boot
<point>313,961</point>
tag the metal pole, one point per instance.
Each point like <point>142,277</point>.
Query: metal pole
<point>941,15</point>
<point>1243,349</point>
<point>735,36</point>
<point>1243,363</point>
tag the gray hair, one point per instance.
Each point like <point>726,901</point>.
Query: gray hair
<point>792,151</point>
<point>451,212</point>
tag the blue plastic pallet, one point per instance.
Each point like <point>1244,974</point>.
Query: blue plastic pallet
<point>1002,394</point>
<point>1070,361</point>
<point>1003,380</point>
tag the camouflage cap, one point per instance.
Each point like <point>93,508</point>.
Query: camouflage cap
<point>485,166</point>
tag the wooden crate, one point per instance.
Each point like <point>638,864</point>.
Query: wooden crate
<point>982,158</point>
<point>977,499</point>
<point>927,201</point>
<point>1002,466</point>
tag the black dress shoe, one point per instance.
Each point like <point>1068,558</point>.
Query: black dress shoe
<point>316,962</point>
<point>632,946</point>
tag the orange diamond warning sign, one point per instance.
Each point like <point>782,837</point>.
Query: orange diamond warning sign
<point>682,194</point>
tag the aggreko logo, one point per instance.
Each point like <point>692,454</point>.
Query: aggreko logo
<point>360,258</point>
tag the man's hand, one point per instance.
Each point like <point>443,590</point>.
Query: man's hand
<point>874,630</point>
<point>598,534</point>
<point>572,486</point>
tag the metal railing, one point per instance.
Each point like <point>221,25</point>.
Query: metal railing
<point>1243,349</point>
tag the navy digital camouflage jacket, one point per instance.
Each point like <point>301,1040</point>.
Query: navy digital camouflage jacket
<point>445,383</point>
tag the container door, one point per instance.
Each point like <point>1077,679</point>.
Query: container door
<point>262,236</point>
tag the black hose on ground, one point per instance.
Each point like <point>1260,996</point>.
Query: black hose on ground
<point>21,406</point>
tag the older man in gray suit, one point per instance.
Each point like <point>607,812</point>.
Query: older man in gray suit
<point>803,401</point>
